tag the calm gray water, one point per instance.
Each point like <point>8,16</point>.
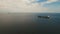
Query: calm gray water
<point>29,22</point>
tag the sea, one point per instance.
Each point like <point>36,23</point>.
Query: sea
<point>29,22</point>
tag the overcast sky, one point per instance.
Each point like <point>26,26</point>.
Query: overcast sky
<point>49,6</point>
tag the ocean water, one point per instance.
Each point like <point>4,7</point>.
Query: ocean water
<point>29,22</point>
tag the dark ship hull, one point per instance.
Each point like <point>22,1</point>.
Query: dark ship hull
<point>46,17</point>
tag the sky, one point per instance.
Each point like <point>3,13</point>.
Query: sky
<point>34,6</point>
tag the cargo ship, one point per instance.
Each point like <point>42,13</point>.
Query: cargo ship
<point>46,17</point>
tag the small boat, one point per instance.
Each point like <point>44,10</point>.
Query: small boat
<point>46,17</point>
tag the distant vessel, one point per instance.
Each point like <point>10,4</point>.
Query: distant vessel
<point>47,17</point>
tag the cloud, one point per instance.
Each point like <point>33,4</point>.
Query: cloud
<point>49,1</point>
<point>23,5</point>
<point>20,6</point>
